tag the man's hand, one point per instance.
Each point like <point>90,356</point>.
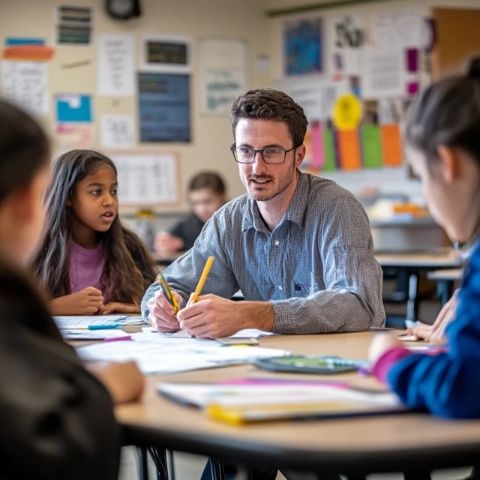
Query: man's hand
<point>88,301</point>
<point>162,315</point>
<point>216,317</point>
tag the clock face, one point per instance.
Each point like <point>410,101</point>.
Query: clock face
<point>123,8</point>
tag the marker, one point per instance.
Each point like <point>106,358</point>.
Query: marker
<point>167,291</point>
<point>203,279</point>
<point>104,326</point>
<point>118,339</point>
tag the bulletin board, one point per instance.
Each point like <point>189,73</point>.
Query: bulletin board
<point>136,86</point>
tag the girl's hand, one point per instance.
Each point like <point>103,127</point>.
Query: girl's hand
<point>123,380</point>
<point>119,307</point>
<point>88,301</point>
<point>380,344</point>
<point>436,333</point>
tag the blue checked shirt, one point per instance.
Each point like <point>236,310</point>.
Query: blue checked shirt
<point>316,267</point>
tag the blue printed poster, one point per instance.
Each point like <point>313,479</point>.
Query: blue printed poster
<point>164,107</point>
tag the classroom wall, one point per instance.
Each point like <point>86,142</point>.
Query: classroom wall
<point>387,180</point>
<point>196,19</point>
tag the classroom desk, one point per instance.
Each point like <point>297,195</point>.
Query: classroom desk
<point>414,264</point>
<point>350,446</point>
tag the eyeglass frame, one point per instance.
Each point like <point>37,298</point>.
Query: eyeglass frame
<point>233,148</point>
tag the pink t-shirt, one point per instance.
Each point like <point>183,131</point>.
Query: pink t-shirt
<point>86,267</point>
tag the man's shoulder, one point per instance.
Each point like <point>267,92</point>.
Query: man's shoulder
<point>234,207</point>
<point>323,191</point>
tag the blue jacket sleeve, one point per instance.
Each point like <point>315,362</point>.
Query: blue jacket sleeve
<point>447,384</point>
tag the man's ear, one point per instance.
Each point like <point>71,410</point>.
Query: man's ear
<point>300,155</point>
<point>449,165</point>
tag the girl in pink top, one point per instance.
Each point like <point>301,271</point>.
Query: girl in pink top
<point>88,261</point>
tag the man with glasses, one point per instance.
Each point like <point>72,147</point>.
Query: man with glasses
<point>297,246</point>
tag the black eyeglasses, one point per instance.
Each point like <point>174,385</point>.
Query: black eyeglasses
<point>245,154</point>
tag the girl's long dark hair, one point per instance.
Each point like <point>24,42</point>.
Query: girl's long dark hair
<point>124,279</point>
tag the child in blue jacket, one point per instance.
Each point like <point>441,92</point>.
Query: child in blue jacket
<point>443,137</point>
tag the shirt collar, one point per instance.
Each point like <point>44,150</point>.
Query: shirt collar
<point>295,212</point>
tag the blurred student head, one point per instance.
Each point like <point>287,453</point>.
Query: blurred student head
<point>24,177</point>
<point>206,194</point>
<point>443,137</point>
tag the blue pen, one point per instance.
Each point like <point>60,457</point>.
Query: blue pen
<point>104,326</point>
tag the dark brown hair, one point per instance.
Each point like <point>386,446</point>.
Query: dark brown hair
<point>211,180</point>
<point>270,104</point>
<point>447,113</point>
<point>24,149</point>
<point>121,274</point>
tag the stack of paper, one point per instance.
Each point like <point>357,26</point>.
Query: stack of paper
<point>160,354</point>
<point>253,401</point>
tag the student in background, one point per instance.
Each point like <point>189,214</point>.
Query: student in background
<point>443,132</point>
<point>50,405</point>
<point>88,261</point>
<point>206,194</point>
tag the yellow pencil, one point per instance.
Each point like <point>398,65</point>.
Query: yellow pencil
<point>203,279</point>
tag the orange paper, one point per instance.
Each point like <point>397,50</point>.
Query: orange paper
<point>28,52</point>
<point>391,145</point>
<point>349,149</point>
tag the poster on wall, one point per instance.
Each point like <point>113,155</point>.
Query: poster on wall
<point>74,25</point>
<point>164,107</point>
<point>345,39</point>
<point>115,65</point>
<point>166,54</point>
<point>303,46</point>
<point>222,74</point>
<point>146,178</point>
<point>73,108</point>
<point>26,84</point>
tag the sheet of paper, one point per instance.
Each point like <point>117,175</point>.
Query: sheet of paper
<point>117,131</point>
<point>175,356</point>
<point>383,73</point>
<point>115,64</point>
<point>146,178</point>
<point>26,84</point>
<point>245,333</point>
<point>222,74</point>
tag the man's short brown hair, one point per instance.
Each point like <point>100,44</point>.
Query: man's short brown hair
<point>270,104</point>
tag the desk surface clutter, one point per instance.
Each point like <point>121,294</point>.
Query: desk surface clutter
<point>349,444</point>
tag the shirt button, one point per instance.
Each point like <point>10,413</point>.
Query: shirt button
<point>276,242</point>
<point>280,287</point>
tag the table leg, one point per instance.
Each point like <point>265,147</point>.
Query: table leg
<point>143,463</point>
<point>412,302</point>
